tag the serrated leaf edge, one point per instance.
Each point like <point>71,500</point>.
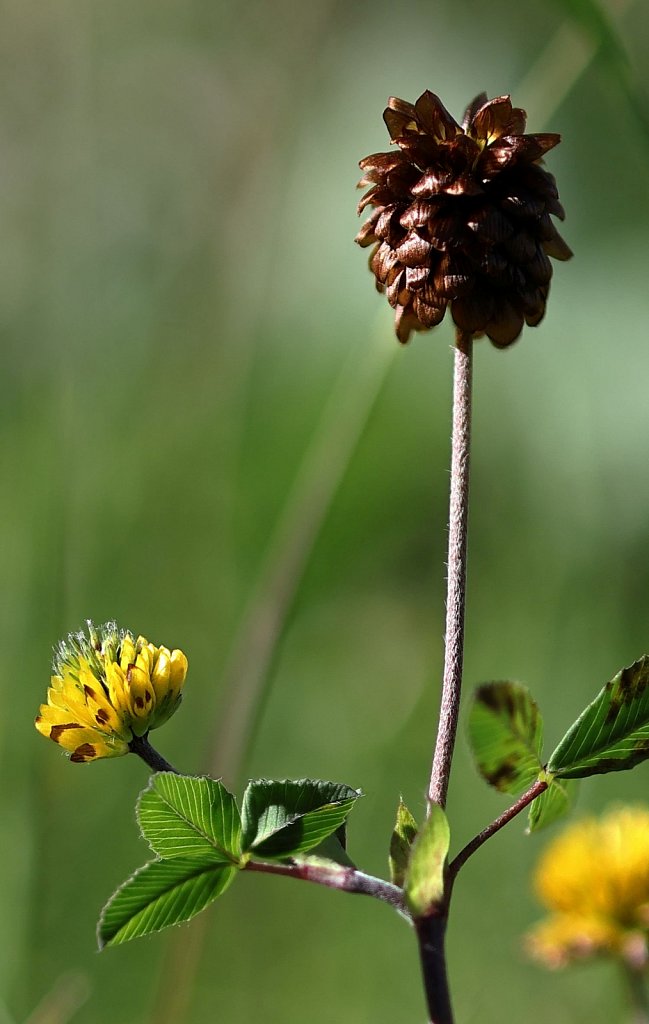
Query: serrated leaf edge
<point>233,858</point>
<point>201,863</point>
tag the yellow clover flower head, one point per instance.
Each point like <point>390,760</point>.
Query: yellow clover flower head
<point>595,879</point>
<point>108,688</point>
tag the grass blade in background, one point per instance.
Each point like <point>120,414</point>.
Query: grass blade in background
<point>596,22</point>
<point>323,467</point>
<point>573,47</point>
<point>60,1005</point>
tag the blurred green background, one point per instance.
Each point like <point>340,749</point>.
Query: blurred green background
<point>186,328</point>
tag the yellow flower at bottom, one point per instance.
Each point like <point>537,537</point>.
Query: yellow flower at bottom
<point>595,879</point>
<point>108,688</point>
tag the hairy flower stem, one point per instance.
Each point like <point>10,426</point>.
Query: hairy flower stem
<point>346,879</point>
<point>140,745</point>
<point>456,585</point>
<point>432,929</point>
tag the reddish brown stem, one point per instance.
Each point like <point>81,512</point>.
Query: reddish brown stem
<point>531,794</point>
<point>456,579</point>
<point>346,879</point>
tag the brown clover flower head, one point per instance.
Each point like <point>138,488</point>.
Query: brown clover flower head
<point>462,217</point>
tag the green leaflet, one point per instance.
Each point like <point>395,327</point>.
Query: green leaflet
<point>556,801</point>
<point>506,735</point>
<point>612,733</point>
<point>180,816</point>
<point>281,819</point>
<point>162,893</point>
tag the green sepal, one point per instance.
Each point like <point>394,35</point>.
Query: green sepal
<point>183,816</point>
<point>159,894</point>
<point>401,840</point>
<point>505,732</point>
<point>557,800</point>
<point>425,877</point>
<point>612,733</point>
<point>282,819</point>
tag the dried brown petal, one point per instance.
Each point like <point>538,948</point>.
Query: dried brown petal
<point>377,196</point>
<point>463,185</point>
<point>505,325</point>
<point>416,278</point>
<point>492,120</point>
<point>418,214</point>
<point>521,248</point>
<point>471,312</point>
<point>556,247</point>
<point>511,150</point>
<point>434,118</point>
<point>444,231</point>
<point>414,250</point>
<point>382,261</point>
<point>539,269</point>
<point>494,264</point>
<point>521,203</point>
<point>429,316</point>
<point>472,110</point>
<point>490,223</point>
<point>533,305</point>
<point>387,227</point>
<point>420,153</point>
<point>405,322</point>
<point>399,115</point>
<point>366,236</point>
<point>432,183</point>
<point>397,291</point>
<point>452,278</point>
<point>381,162</point>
